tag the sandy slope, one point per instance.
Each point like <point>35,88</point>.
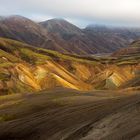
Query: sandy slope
<point>64,114</point>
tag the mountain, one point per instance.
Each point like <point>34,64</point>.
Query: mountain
<point>68,93</point>
<point>61,26</point>
<point>64,37</point>
<point>50,73</point>
<point>27,31</point>
<point>69,37</point>
<point>127,33</point>
<point>133,49</point>
<point>47,88</point>
<point>111,39</point>
<point>22,29</point>
<point>25,68</point>
<point>92,39</point>
<point>131,53</point>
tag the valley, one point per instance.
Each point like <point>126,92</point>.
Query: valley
<point>60,82</point>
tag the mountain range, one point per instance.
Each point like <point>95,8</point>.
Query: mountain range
<point>62,36</point>
<point>55,53</point>
<point>58,81</point>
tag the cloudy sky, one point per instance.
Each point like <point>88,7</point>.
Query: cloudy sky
<point>79,12</point>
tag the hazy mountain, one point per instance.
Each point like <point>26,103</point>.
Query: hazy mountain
<point>22,29</point>
<point>93,39</point>
<point>64,37</point>
<point>133,49</point>
<point>25,30</point>
<point>112,38</point>
<point>69,37</point>
<point>61,26</point>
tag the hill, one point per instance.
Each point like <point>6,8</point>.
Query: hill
<point>133,49</point>
<point>26,68</point>
<point>22,29</point>
<point>71,115</point>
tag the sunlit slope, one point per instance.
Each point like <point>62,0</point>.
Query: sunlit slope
<point>26,68</point>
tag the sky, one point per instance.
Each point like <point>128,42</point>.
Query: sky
<point>79,12</point>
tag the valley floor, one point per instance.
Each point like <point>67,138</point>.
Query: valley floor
<point>64,114</point>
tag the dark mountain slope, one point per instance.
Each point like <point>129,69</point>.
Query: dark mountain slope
<point>68,36</point>
<point>133,49</point>
<point>92,40</point>
<point>25,30</point>
<point>111,38</point>
<point>62,36</point>
<point>22,29</point>
<point>61,26</point>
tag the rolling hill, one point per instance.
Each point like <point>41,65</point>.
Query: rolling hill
<point>71,115</point>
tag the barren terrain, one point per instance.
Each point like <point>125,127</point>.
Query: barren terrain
<point>64,114</point>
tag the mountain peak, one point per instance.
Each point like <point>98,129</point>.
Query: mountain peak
<point>61,26</point>
<point>58,20</point>
<point>13,17</point>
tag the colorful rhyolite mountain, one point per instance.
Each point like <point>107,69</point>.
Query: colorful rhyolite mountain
<point>27,68</point>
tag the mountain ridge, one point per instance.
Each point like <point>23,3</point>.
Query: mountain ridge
<point>27,68</point>
<point>63,36</point>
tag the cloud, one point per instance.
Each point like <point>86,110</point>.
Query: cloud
<point>108,11</point>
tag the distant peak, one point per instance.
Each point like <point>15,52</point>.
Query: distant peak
<point>14,17</point>
<point>100,26</point>
<point>56,20</point>
<point>59,19</point>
